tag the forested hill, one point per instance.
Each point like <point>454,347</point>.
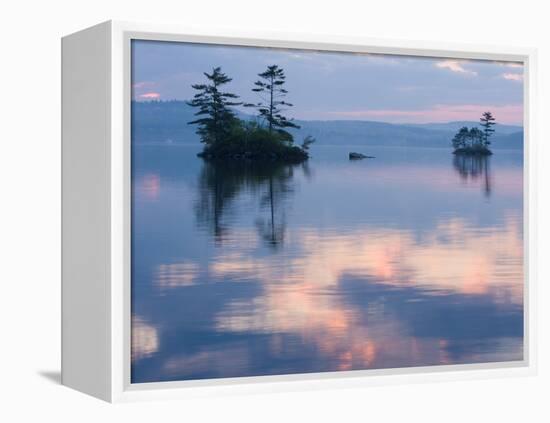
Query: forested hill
<point>166,122</point>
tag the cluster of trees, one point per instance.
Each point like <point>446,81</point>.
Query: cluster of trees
<point>468,138</point>
<point>475,140</point>
<point>227,136</point>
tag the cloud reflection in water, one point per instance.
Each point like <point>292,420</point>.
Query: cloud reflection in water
<point>350,266</point>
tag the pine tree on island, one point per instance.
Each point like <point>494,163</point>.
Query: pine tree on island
<point>487,121</point>
<point>215,115</point>
<point>271,92</point>
<point>225,136</point>
<point>475,141</point>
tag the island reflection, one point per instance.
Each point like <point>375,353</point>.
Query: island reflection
<point>472,168</point>
<point>269,183</point>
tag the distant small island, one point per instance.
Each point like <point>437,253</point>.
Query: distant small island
<point>475,141</point>
<point>227,137</point>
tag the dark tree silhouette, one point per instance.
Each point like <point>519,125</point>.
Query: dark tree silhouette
<point>465,138</point>
<point>227,137</point>
<point>470,141</point>
<point>461,138</point>
<point>487,121</point>
<point>216,118</point>
<point>475,137</point>
<point>271,91</point>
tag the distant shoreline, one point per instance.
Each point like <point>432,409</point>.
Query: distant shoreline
<point>168,121</point>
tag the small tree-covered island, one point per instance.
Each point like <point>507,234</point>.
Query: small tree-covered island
<point>475,141</point>
<point>226,136</point>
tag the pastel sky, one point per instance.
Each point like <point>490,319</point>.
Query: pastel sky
<point>339,86</point>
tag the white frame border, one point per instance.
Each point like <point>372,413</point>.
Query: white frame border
<point>121,389</point>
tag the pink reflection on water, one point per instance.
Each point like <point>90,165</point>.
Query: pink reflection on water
<point>149,186</point>
<point>145,340</point>
<point>234,359</point>
<point>302,293</point>
<point>175,275</point>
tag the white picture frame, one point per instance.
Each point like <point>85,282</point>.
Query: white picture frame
<point>96,319</point>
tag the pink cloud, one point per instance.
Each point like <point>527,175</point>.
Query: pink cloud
<point>149,96</point>
<point>454,66</point>
<point>512,114</point>
<point>513,76</point>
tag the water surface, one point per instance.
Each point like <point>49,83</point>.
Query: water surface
<point>410,259</point>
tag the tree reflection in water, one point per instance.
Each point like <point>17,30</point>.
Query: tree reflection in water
<point>474,168</point>
<point>222,182</point>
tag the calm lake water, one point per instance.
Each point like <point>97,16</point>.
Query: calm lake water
<point>413,258</point>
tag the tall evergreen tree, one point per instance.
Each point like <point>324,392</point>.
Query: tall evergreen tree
<point>271,91</point>
<point>215,116</point>
<point>487,121</point>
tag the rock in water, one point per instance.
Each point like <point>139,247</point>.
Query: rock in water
<point>359,156</point>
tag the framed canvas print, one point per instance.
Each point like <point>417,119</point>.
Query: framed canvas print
<point>249,212</point>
